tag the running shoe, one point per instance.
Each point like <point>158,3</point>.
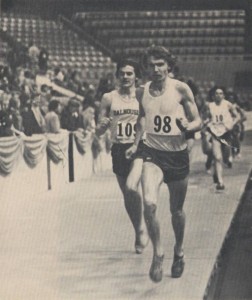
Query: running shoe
<point>220,187</point>
<point>156,269</point>
<point>177,266</point>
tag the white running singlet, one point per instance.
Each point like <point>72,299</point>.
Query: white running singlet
<point>222,120</point>
<point>161,112</point>
<point>123,113</point>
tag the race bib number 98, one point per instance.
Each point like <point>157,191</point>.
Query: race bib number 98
<point>126,130</point>
<point>162,125</point>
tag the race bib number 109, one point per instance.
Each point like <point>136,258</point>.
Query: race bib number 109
<point>126,130</point>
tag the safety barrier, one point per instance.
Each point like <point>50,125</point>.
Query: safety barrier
<point>35,164</point>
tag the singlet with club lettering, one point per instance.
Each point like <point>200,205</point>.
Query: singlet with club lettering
<point>222,120</point>
<point>162,132</point>
<point>124,112</point>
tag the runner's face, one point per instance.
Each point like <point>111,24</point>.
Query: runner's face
<point>219,95</point>
<point>127,76</point>
<point>157,69</point>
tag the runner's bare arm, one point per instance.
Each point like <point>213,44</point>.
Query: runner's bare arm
<point>193,122</point>
<point>140,125</point>
<point>103,119</point>
<point>243,117</point>
<point>232,110</point>
<point>140,128</point>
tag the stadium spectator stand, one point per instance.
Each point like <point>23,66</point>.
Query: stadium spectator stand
<point>212,40</point>
<point>187,32</point>
<point>65,48</point>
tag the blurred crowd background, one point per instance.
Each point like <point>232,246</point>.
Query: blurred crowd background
<point>58,58</point>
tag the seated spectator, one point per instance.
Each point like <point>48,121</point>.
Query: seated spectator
<point>52,117</point>
<point>70,116</point>
<point>33,120</point>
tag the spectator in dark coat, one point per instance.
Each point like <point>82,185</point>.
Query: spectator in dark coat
<point>5,124</point>
<point>70,116</point>
<point>33,120</point>
<point>42,60</point>
<point>14,110</point>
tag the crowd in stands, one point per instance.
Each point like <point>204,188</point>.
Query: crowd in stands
<point>32,108</point>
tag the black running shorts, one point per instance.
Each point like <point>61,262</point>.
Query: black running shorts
<point>174,164</point>
<point>122,165</point>
<point>189,135</point>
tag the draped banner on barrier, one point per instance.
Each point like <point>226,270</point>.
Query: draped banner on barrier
<point>10,149</point>
<point>83,139</point>
<point>57,146</point>
<point>33,148</point>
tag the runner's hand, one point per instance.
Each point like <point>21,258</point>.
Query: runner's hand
<point>130,152</point>
<point>104,123</point>
<point>182,124</point>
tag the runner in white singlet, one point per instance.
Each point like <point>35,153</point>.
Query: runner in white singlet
<point>222,116</point>
<point>119,112</point>
<point>167,111</point>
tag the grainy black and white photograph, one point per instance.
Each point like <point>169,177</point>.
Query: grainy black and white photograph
<point>125,149</point>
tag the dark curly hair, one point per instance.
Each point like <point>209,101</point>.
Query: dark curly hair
<point>127,61</point>
<point>159,52</point>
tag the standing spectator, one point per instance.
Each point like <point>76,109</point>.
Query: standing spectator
<point>14,109</point>
<point>43,60</point>
<point>45,98</point>
<point>4,100</point>
<point>74,83</point>
<point>45,92</point>
<point>12,59</point>
<point>59,76</point>
<point>106,85</point>
<point>88,117</point>
<point>52,119</point>
<point>70,116</point>
<point>33,120</point>
<point>90,100</point>
<point>23,56</point>
<point>33,53</point>
<point>5,124</point>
